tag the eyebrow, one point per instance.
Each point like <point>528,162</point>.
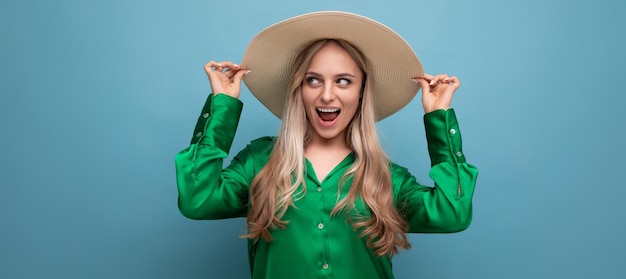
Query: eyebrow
<point>338,75</point>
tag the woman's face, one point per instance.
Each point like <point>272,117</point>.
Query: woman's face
<point>330,92</point>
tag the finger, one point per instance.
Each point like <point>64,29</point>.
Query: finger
<point>453,81</point>
<point>229,73</point>
<point>212,69</point>
<point>212,66</point>
<point>208,68</point>
<point>437,79</point>
<point>424,83</point>
<point>428,77</point>
<point>239,76</point>
<point>229,65</point>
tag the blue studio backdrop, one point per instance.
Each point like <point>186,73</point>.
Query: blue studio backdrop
<point>96,98</point>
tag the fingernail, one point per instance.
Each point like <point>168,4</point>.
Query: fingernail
<point>415,80</point>
<point>247,72</point>
<point>235,65</point>
<point>432,82</point>
<point>218,64</point>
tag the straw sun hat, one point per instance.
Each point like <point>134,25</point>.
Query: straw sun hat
<point>391,61</point>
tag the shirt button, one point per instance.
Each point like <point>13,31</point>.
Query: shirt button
<point>325,266</point>
<point>320,226</point>
<point>206,115</point>
<point>199,134</point>
<point>458,153</point>
<point>319,189</point>
<point>452,131</point>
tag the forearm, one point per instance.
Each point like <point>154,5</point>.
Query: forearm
<point>446,207</point>
<point>204,191</point>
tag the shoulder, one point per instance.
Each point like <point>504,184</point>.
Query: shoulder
<point>262,143</point>
<point>260,147</point>
<point>398,170</point>
<point>401,176</point>
<point>256,153</point>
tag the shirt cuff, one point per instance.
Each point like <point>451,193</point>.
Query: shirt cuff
<point>444,137</point>
<point>218,122</point>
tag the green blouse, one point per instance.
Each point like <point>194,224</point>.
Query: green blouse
<point>316,244</point>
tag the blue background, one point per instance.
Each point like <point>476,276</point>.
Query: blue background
<point>98,96</point>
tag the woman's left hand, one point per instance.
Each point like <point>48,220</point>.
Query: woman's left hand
<point>437,91</point>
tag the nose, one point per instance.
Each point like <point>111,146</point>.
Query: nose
<point>327,94</point>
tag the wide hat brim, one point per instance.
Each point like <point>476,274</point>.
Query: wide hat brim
<point>392,63</point>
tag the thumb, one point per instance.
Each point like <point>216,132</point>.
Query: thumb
<point>239,76</point>
<point>424,84</point>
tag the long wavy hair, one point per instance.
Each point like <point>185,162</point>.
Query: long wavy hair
<point>275,187</point>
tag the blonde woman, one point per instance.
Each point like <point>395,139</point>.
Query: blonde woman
<point>322,200</point>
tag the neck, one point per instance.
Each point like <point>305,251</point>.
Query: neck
<point>326,149</point>
<point>336,144</point>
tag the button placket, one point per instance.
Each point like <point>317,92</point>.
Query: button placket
<point>452,132</point>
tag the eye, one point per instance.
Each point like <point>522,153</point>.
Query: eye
<point>313,81</point>
<point>344,82</point>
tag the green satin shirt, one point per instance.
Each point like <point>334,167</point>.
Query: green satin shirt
<point>316,244</point>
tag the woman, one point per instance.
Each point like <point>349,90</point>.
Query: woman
<point>322,199</point>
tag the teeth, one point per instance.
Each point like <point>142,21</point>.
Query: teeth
<point>328,109</point>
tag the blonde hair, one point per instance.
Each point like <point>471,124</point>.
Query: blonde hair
<point>274,188</point>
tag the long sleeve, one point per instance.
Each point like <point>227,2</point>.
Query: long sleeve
<point>205,189</point>
<point>446,207</point>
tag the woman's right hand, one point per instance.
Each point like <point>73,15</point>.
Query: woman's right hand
<point>225,77</point>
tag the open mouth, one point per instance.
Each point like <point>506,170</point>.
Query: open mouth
<point>328,114</point>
